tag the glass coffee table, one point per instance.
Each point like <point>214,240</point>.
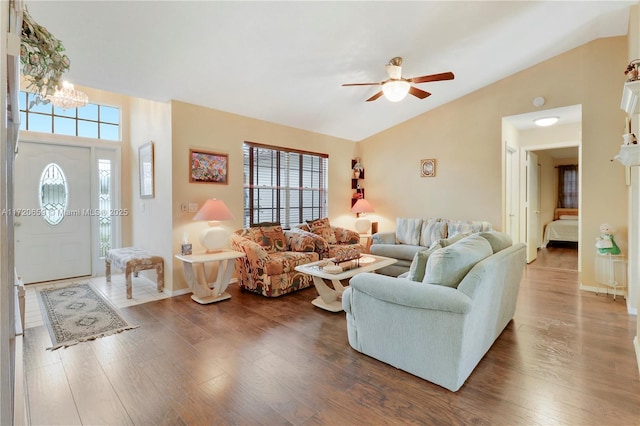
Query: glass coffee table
<point>330,299</point>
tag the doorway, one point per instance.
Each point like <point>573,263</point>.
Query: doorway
<point>537,201</point>
<point>65,197</point>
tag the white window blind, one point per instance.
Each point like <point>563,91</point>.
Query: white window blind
<point>283,185</point>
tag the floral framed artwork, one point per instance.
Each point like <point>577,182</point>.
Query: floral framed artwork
<point>145,167</point>
<point>208,167</point>
<point>428,167</point>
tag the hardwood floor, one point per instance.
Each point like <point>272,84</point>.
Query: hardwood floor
<point>566,358</point>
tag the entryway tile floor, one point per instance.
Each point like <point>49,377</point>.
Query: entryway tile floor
<point>144,290</point>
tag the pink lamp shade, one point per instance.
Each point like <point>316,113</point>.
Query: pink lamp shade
<point>362,207</point>
<point>214,238</point>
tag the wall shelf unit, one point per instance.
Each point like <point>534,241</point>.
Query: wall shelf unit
<point>356,186</point>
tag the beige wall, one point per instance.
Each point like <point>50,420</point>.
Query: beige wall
<point>198,127</point>
<point>465,137</point>
<point>151,121</point>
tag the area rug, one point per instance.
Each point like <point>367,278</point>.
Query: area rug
<point>78,313</point>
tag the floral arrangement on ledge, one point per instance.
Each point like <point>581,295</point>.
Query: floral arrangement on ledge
<point>42,58</point>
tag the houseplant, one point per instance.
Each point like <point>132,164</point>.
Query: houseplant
<point>42,58</point>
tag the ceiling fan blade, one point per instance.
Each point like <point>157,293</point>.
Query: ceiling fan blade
<point>418,93</point>
<point>374,97</point>
<point>361,84</point>
<point>432,77</point>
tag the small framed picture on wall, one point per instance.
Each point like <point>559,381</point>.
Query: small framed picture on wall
<point>428,167</point>
<point>208,167</point>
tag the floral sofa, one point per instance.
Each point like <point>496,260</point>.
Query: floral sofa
<point>416,234</point>
<point>330,240</point>
<point>271,257</point>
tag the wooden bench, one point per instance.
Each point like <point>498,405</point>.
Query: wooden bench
<point>132,259</point>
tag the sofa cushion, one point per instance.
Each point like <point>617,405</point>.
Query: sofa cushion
<point>498,240</point>
<point>432,230</point>
<point>408,230</point>
<point>397,251</point>
<point>419,263</point>
<point>323,228</point>
<point>271,237</point>
<point>449,265</point>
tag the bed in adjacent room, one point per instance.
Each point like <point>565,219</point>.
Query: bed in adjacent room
<point>564,227</point>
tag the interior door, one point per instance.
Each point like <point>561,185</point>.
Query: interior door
<point>52,218</point>
<point>533,207</point>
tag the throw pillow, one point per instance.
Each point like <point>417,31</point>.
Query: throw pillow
<point>498,240</point>
<point>432,230</point>
<point>449,265</point>
<point>323,228</point>
<point>408,231</point>
<point>271,237</point>
<point>445,242</point>
<point>419,263</point>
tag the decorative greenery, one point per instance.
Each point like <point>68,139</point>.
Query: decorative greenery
<point>42,58</point>
<point>358,167</point>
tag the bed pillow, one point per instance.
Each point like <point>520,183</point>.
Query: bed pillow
<point>449,265</point>
<point>419,263</point>
<point>568,217</point>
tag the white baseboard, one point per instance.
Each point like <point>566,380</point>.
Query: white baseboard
<point>603,290</point>
<point>598,290</point>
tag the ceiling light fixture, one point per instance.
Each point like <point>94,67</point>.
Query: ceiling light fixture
<point>395,90</point>
<point>68,97</point>
<point>545,121</point>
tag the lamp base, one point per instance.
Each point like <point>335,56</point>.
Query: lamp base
<point>362,225</point>
<point>214,239</point>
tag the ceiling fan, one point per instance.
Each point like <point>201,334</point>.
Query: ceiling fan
<point>395,88</point>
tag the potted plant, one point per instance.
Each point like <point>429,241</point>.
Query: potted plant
<point>42,58</point>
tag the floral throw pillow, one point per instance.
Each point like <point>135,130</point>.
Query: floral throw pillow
<point>271,237</point>
<point>323,228</point>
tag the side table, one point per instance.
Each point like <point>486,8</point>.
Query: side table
<point>607,266</point>
<point>204,291</point>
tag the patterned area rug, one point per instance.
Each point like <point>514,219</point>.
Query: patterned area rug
<point>78,313</point>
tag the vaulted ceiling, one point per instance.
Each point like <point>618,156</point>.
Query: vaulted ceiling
<point>285,62</point>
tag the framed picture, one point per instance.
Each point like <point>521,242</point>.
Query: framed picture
<point>208,167</point>
<point>428,167</point>
<point>145,166</point>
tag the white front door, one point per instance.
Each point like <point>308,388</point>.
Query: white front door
<point>511,193</point>
<point>533,207</point>
<point>53,216</point>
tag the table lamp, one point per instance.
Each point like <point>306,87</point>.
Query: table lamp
<point>214,238</point>
<point>360,208</point>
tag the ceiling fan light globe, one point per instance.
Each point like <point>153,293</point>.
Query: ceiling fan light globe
<point>396,90</point>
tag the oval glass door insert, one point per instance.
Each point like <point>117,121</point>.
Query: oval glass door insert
<point>53,194</point>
